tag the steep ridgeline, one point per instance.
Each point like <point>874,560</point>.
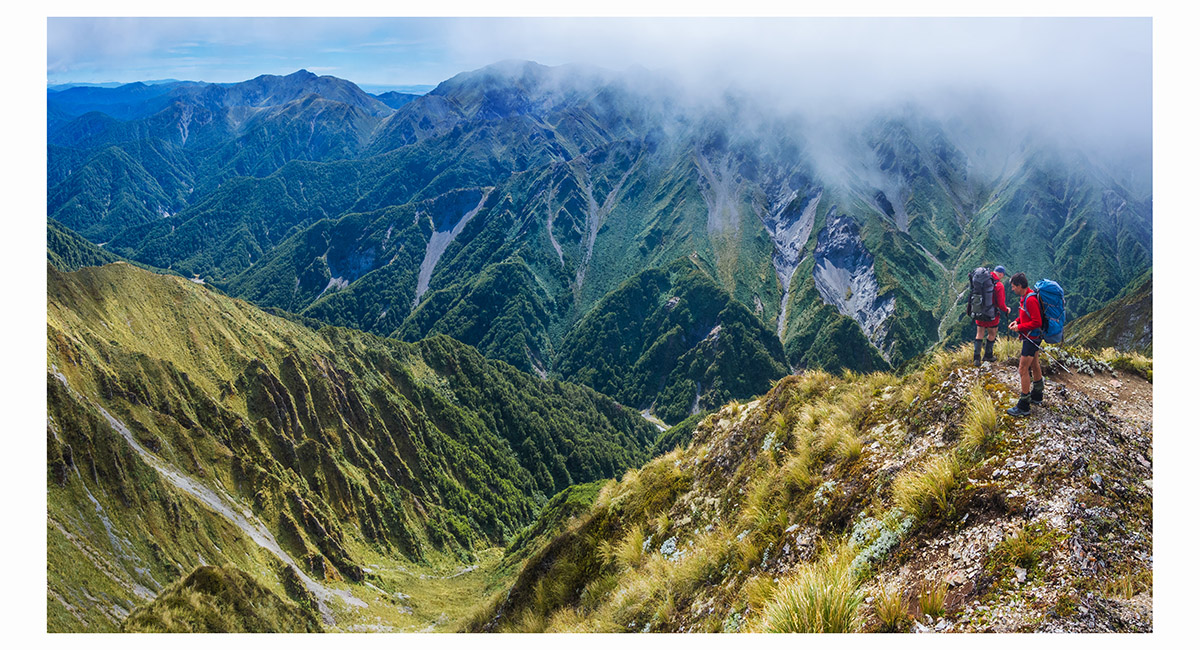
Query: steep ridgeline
<point>186,428</point>
<point>67,251</point>
<point>586,178</point>
<point>1126,323</point>
<point>133,156</point>
<point>875,503</point>
<point>672,342</point>
<point>220,599</point>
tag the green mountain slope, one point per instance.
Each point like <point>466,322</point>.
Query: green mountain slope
<point>672,341</point>
<point>1125,323</point>
<point>186,427</point>
<point>219,599</point>
<point>68,251</point>
<point>852,242</point>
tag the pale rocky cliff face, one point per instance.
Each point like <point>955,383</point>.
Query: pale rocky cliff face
<point>845,277</point>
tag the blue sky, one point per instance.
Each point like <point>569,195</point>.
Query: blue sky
<point>387,51</point>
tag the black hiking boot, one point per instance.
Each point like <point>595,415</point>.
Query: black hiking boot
<point>1022,407</point>
<point>978,344</point>
<point>1035,395</point>
<point>987,352</point>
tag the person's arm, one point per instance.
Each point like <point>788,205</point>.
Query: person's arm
<point>1030,318</point>
<point>1000,298</point>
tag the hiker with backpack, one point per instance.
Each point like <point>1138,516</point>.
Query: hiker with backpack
<point>1039,319</point>
<point>1029,327</point>
<point>985,306</point>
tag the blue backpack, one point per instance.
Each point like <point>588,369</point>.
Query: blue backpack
<point>1054,311</point>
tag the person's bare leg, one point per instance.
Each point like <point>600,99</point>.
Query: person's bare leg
<point>1023,371</point>
<point>1037,367</point>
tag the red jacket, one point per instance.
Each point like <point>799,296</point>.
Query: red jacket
<point>998,300</point>
<point>1029,317</point>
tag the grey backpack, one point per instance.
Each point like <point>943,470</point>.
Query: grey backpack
<point>982,305</point>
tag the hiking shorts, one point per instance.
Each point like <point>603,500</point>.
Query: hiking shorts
<point>1029,348</point>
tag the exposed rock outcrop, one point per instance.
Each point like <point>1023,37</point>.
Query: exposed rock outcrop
<point>845,277</point>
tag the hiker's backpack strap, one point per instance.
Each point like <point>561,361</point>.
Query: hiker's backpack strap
<point>1037,331</point>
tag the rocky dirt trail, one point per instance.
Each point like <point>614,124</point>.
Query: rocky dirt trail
<point>1069,492</point>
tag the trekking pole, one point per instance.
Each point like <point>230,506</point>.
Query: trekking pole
<point>1043,351</point>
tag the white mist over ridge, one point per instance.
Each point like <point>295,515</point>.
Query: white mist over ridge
<point>1085,82</point>
<point>1079,83</point>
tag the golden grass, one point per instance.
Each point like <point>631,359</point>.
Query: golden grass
<point>1129,583</point>
<point>849,447</point>
<point>822,597</point>
<point>1025,548</point>
<point>980,422</point>
<point>795,473</point>
<point>758,590</point>
<point>813,383</point>
<point>596,592</point>
<point>940,364</point>
<point>758,509</point>
<point>628,552</point>
<point>831,424</point>
<point>926,490</point>
<point>638,590</point>
<point>889,607</point>
<point>568,620</point>
<point>1130,361</point>
<point>932,599</point>
<point>1007,347</point>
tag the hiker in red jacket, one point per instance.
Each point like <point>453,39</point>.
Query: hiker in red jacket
<point>991,326</point>
<point>1029,327</point>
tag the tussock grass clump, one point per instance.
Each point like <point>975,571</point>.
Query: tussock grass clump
<point>639,591</point>
<point>909,391</point>
<point>926,490</point>
<point>702,561</point>
<point>849,447</point>
<point>1138,364</point>
<point>932,599</point>
<point>627,552</point>
<point>980,424</point>
<point>822,597</point>
<point>889,607</point>
<point>759,511</point>
<point>878,381</point>
<point>596,592</point>
<point>758,590</point>
<point>795,473</point>
<point>1129,583</point>
<point>935,371</point>
<point>1025,549</point>
<point>1006,347</point>
<point>812,383</point>
<point>832,426</point>
<point>568,620</point>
